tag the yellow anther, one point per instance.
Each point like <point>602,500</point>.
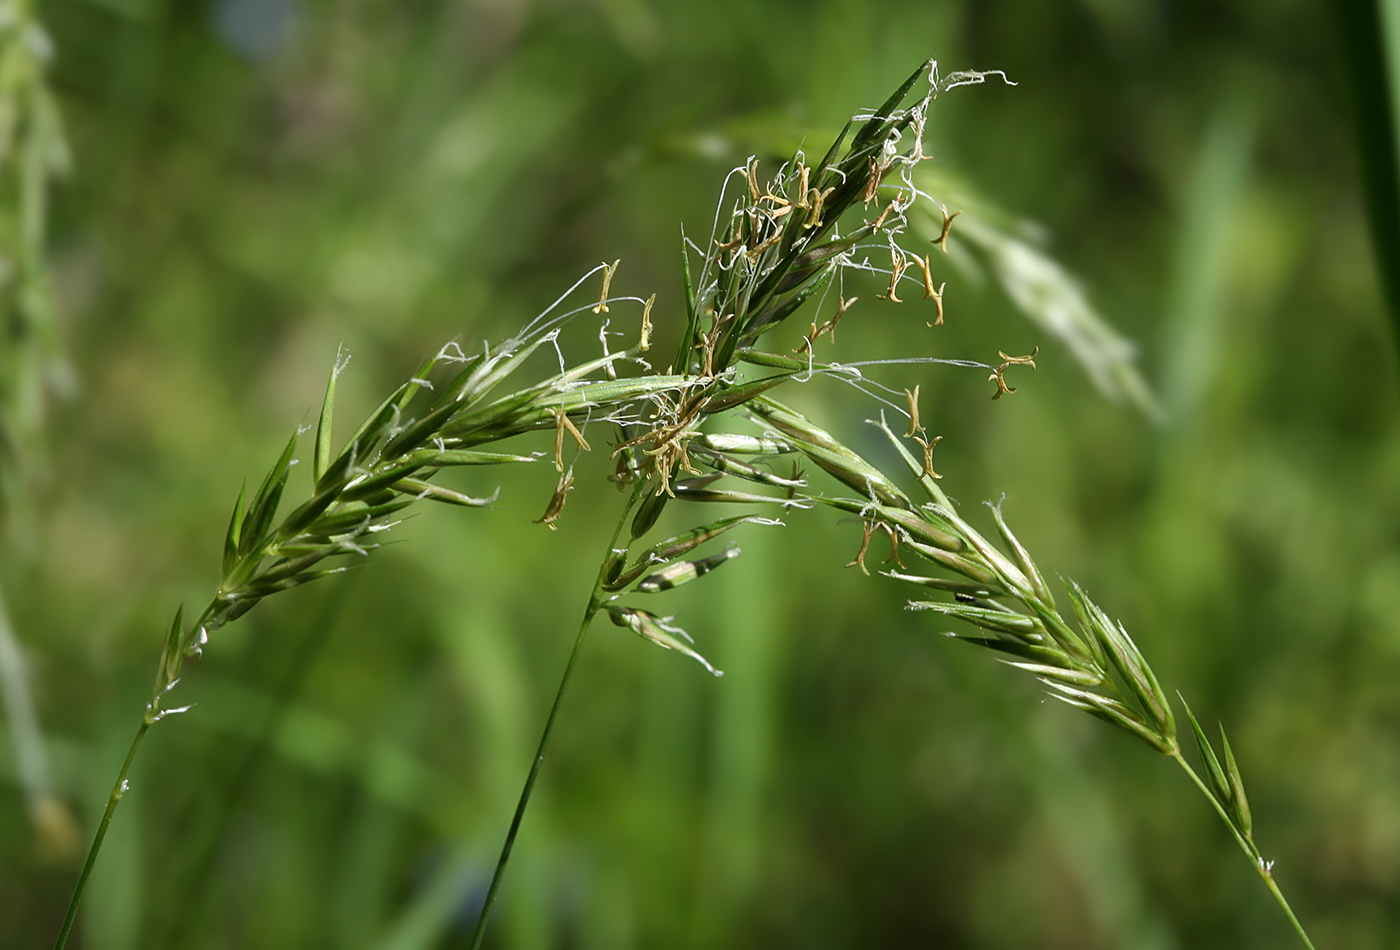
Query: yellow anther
<point>880,221</point>
<point>942,241</point>
<point>829,327</point>
<point>913,396</point>
<point>872,182</point>
<point>999,374</point>
<point>556,501</point>
<point>645,343</point>
<point>751,176</point>
<point>898,266</point>
<point>564,424</point>
<point>927,445</point>
<point>608,272</point>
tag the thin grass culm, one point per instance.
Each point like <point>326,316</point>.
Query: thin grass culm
<point>1086,659</point>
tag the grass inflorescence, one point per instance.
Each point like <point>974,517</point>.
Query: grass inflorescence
<point>781,245</point>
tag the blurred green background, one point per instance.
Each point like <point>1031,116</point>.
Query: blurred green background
<point>255,183</point>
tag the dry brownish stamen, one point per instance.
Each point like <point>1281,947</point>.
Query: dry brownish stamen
<point>917,433</point>
<point>999,374</point>
<point>804,182</point>
<point>668,440</point>
<point>736,243</point>
<point>925,266</point>
<point>898,266</point>
<point>938,302</point>
<point>868,529</point>
<point>608,271</point>
<point>829,327</point>
<point>564,424</point>
<point>942,241</point>
<point>872,182</point>
<point>808,340</point>
<point>760,248</point>
<point>707,345</point>
<point>781,205</point>
<point>894,544</point>
<point>884,213</point>
<point>927,445</point>
<point>814,216</point>
<point>556,502</point>
<point>913,396</point>
<point>937,295</point>
<point>751,176</point>
<point>645,343</point>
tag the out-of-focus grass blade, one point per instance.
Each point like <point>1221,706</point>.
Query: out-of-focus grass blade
<point>1194,323</point>
<point>1052,298</point>
<point>1368,33</point>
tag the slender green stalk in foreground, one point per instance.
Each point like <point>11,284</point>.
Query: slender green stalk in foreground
<point>1246,843</point>
<point>781,247</point>
<point>595,601</point>
<point>1090,662</point>
<point>118,790</point>
<point>193,875</point>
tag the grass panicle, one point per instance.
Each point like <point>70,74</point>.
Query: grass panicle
<point>779,246</point>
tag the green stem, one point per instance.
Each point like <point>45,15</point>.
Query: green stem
<point>1249,849</point>
<point>118,790</point>
<point>595,600</point>
<point>187,883</point>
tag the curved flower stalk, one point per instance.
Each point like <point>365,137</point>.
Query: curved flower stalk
<point>1084,658</point>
